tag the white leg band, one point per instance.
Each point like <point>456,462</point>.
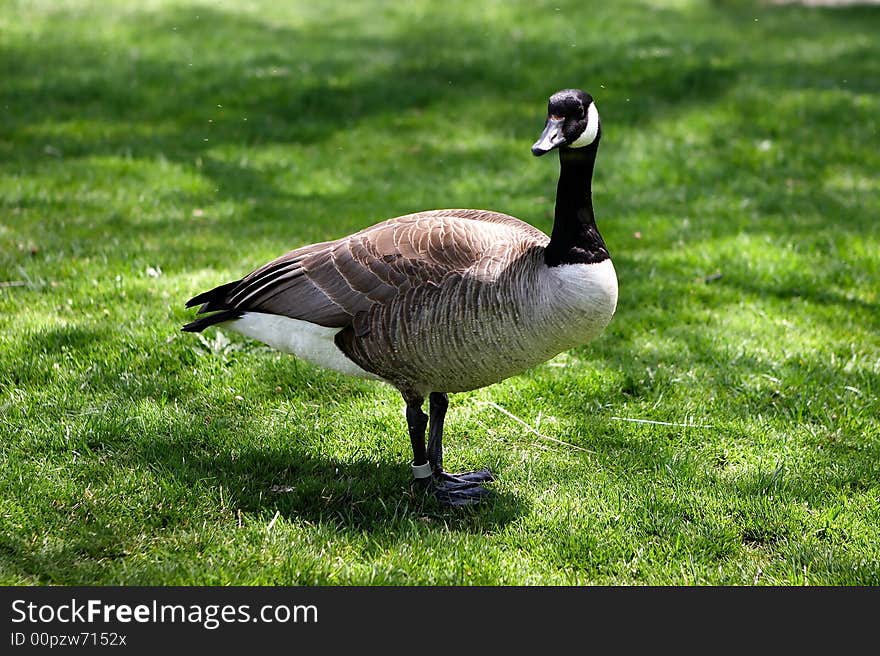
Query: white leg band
<point>422,471</point>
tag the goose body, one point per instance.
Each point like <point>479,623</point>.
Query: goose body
<point>443,300</point>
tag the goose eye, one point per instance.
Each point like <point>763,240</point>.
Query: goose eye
<point>581,112</point>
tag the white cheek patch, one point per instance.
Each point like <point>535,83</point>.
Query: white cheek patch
<point>588,136</point>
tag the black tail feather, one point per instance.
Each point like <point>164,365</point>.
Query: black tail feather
<point>199,325</point>
<point>214,299</point>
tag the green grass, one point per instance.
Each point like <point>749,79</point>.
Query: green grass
<point>150,151</point>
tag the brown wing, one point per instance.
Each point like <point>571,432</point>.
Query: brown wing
<point>332,282</point>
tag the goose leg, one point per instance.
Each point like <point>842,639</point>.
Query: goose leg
<point>416,422</point>
<point>438,403</point>
<point>448,490</point>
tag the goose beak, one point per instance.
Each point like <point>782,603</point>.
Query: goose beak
<point>550,138</point>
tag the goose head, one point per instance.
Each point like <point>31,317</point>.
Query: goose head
<point>572,122</point>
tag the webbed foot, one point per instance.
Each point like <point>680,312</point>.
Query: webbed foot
<point>450,491</point>
<point>478,476</point>
<point>458,489</point>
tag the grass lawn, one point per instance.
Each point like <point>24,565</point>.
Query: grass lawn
<point>152,150</point>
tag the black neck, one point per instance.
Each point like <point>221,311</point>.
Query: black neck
<point>575,238</point>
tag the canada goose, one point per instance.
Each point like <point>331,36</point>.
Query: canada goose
<point>443,300</point>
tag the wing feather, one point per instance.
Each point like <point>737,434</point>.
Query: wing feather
<point>331,282</point>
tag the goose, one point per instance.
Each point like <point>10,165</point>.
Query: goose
<point>441,301</point>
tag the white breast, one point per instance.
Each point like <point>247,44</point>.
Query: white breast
<point>584,296</point>
<point>306,340</point>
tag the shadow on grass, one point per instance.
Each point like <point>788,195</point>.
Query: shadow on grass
<point>355,494</point>
<point>285,82</point>
<point>358,494</point>
<point>173,91</point>
<point>285,86</point>
<point>353,498</point>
